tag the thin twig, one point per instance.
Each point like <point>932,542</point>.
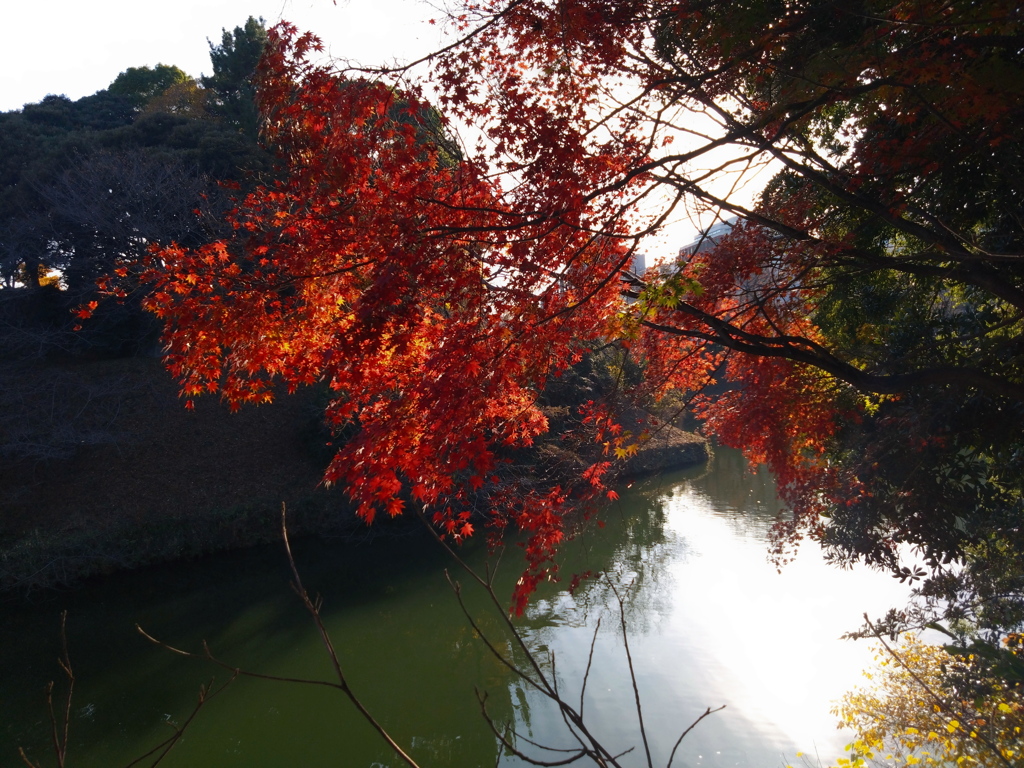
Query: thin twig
<point>708,711</point>
<point>58,732</point>
<point>207,655</point>
<point>508,744</point>
<point>313,608</point>
<point>632,673</point>
<point>179,731</point>
<point>325,638</point>
<point>596,750</point>
<point>590,660</point>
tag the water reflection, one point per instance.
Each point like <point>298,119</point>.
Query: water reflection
<point>710,622</point>
<point>403,640</point>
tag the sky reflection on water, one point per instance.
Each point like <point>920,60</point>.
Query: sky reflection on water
<point>712,622</point>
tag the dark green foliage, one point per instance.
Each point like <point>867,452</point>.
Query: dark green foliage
<point>140,84</point>
<point>88,184</point>
<point>605,374</point>
<point>234,62</point>
<point>430,130</point>
<point>945,474</point>
<point>897,128</point>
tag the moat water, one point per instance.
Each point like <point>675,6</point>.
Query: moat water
<point>710,622</point>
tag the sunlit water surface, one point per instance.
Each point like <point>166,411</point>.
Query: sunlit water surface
<point>709,620</point>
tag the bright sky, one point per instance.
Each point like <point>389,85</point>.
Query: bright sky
<point>76,47</point>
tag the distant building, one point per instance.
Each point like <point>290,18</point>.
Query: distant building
<point>630,275</point>
<point>710,237</point>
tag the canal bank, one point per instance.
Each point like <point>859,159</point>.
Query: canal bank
<point>114,474</point>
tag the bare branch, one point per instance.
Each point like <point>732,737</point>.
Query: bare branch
<point>708,711</point>
<point>632,672</point>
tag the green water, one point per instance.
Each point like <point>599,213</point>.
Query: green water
<point>710,622</point>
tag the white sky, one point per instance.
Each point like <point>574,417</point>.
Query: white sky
<point>78,47</point>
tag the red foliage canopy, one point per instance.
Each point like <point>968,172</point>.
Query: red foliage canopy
<point>436,295</point>
<point>377,264</point>
<point>884,257</point>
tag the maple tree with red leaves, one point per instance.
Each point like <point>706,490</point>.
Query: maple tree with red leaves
<point>865,312</point>
<point>379,264</point>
